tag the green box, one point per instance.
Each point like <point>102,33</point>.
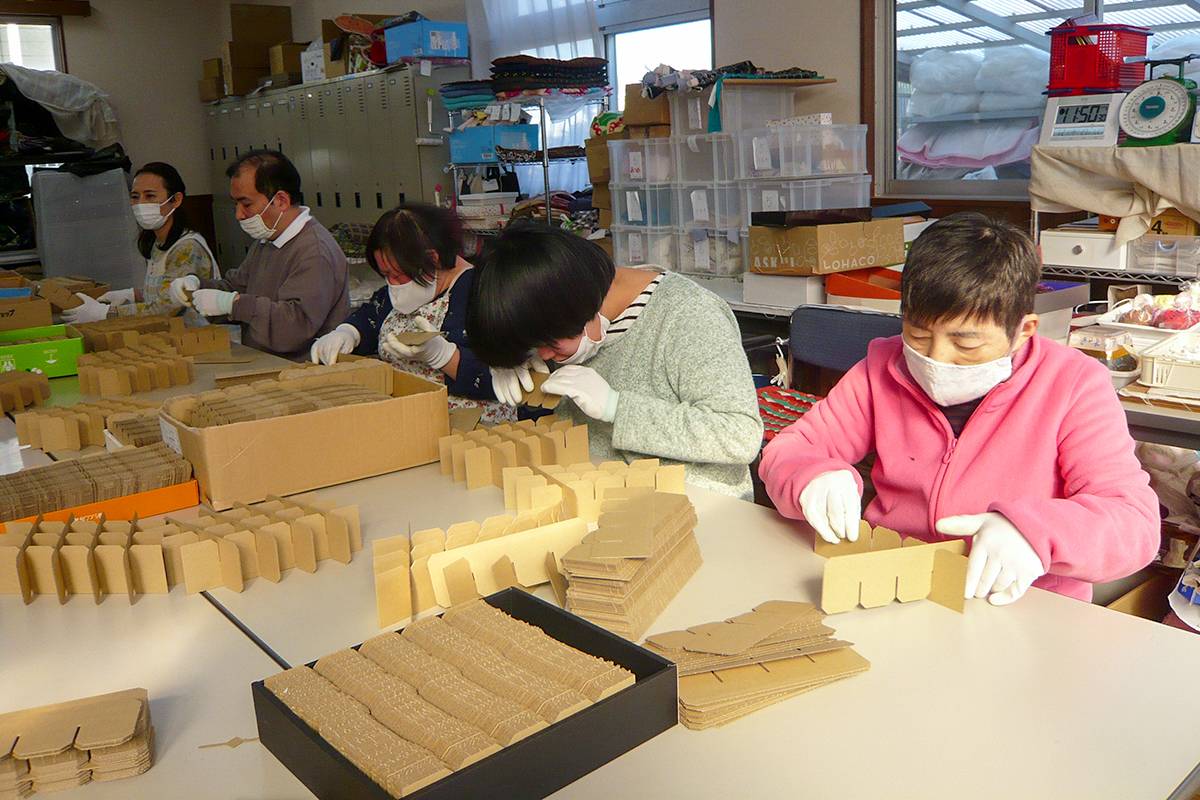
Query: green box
<point>52,358</point>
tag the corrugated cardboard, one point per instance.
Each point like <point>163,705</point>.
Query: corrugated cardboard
<point>825,249</point>
<point>260,24</point>
<point>285,58</point>
<point>599,164</point>
<point>18,313</point>
<point>334,68</point>
<point>601,196</point>
<point>247,461</point>
<point>212,68</point>
<point>642,111</point>
<point>245,56</point>
<point>243,81</point>
<point>210,89</point>
<point>913,571</point>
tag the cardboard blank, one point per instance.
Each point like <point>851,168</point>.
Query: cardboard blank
<point>876,578</point>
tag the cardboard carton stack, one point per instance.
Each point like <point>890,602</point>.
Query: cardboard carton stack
<point>116,332</point>
<point>135,429</point>
<point>77,426</point>
<point>268,400</point>
<point>730,668</point>
<point>142,367</point>
<point>67,484</point>
<point>246,60</point>
<point>410,708</point>
<point>20,390</point>
<point>623,574</point>
<point>61,291</point>
<point>102,738</point>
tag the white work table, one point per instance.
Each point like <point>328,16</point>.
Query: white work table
<point>196,666</point>
<point>1050,697</point>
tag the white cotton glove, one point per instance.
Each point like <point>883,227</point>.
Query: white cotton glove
<point>119,297</point>
<point>213,302</point>
<point>832,505</point>
<point>436,352</point>
<point>1002,565</point>
<point>339,341</point>
<point>189,283</point>
<point>92,310</point>
<point>510,384</point>
<point>590,392</point>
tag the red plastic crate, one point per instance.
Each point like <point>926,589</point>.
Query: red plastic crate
<point>1090,59</point>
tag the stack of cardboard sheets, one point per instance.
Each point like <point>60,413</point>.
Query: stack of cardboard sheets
<point>623,574</point>
<point>102,738</point>
<point>269,399</point>
<point>731,668</point>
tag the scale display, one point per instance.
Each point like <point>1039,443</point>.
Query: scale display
<point>1081,121</point>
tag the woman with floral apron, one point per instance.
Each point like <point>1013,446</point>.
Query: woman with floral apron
<point>415,248</point>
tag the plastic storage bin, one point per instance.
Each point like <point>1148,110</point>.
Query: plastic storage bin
<point>689,111</point>
<point>806,195</point>
<point>707,157</point>
<point>633,246</point>
<point>641,160</point>
<point>709,205</point>
<point>747,107</point>
<point>707,251</point>
<point>643,206</point>
<point>802,152</point>
<point>1165,255</point>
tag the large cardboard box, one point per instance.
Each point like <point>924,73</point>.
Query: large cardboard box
<point>599,164</point>
<point>642,111</point>
<point>245,56</point>
<point>17,313</point>
<point>243,81</point>
<point>285,57</point>
<point>211,89</point>
<point>263,25</point>
<point>212,67</point>
<point>246,461</point>
<point>825,249</point>
<point>601,196</point>
<point>334,68</point>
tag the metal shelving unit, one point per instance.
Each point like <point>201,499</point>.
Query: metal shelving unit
<point>1115,275</point>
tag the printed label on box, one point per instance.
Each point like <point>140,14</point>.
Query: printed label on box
<point>637,252</point>
<point>700,205</point>
<point>443,40</point>
<point>170,436</point>
<point>701,250</point>
<point>636,171</point>
<point>635,206</point>
<point>762,152</point>
<point>8,363</point>
<point>770,200</point>
<point>694,113</point>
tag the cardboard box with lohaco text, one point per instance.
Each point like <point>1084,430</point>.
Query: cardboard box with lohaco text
<point>825,249</point>
<point>246,461</point>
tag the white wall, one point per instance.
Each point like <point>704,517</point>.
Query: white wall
<point>146,55</point>
<point>822,35</point>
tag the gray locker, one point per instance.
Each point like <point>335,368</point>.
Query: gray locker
<point>224,144</point>
<point>322,134</point>
<point>294,139</point>
<point>382,91</point>
<point>212,137</point>
<point>238,134</point>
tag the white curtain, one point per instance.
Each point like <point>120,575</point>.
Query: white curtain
<point>563,29</point>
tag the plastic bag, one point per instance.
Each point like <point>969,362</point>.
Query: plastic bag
<point>939,71</point>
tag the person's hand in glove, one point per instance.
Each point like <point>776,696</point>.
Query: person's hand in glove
<point>213,302</point>
<point>338,342</point>
<point>92,310</point>
<point>832,505</point>
<point>1003,565</point>
<point>180,287</point>
<point>584,385</point>
<point>119,297</point>
<point>510,384</point>
<point>436,352</point>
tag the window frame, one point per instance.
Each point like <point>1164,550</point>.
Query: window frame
<point>618,16</point>
<point>56,33</point>
<point>878,111</point>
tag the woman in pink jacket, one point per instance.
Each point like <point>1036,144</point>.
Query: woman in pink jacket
<point>980,428</point>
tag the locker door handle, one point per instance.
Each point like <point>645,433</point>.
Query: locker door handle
<point>212,154</point>
<point>379,200</point>
<point>357,200</point>
<point>236,152</point>
<point>337,199</point>
<point>318,199</point>
<point>224,157</point>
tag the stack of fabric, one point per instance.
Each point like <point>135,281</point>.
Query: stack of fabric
<point>535,208</point>
<point>519,73</point>
<point>459,95</point>
<point>665,78</point>
<point>730,668</point>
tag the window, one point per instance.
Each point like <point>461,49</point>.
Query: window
<point>33,42</point>
<point>686,45</point>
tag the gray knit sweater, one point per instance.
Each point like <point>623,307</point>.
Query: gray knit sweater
<point>685,390</point>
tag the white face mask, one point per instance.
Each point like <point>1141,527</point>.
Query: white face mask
<point>408,297</point>
<point>254,226</point>
<point>951,384</point>
<point>588,347</point>
<point>149,216</point>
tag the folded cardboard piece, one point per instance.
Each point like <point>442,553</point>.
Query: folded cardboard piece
<point>22,390</point>
<point>480,456</point>
<point>76,426</point>
<point>102,557</point>
<point>436,567</point>
<point>142,367</point>
<point>116,332</point>
<point>536,398</point>
<point>624,574</point>
<point>90,479</point>
<point>244,462</point>
<point>60,291</point>
<point>134,428</point>
<point>103,738</point>
<point>583,487</point>
<point>880,568</point>
<point>732,667</point>
<point>414,708</point>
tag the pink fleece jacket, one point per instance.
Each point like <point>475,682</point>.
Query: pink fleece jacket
<point>1049,449</point>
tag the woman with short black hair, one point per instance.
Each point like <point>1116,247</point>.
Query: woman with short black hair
<point>665,372</point>
<point>416,249</point>
<point>170,247</point>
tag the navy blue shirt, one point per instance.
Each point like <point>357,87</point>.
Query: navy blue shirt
<point>474,379</point>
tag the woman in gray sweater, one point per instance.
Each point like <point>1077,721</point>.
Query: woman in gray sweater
<point>665,372</point>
